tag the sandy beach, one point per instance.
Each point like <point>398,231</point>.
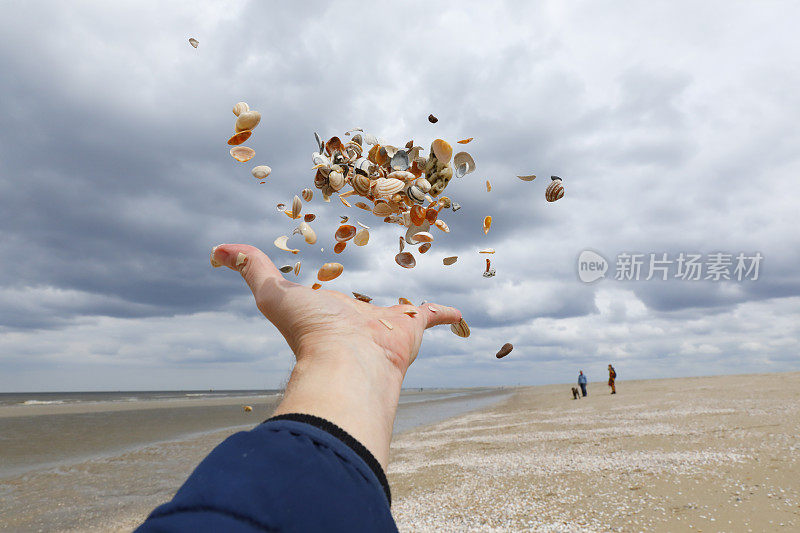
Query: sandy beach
<point>692,454</point>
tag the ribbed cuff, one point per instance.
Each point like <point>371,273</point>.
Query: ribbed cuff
<point>345,437</point>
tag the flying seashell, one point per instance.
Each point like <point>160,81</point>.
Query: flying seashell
<point>386,187</point>
<point>423,185</point>
<point>444,202</point>
<point>527,178</point>
<point>308,232</point>
<point>486,251</point>
<point>422,236</point>
<point>414,229</point>
<point>361,238</point>
<point>345,233</point>
<point>194,42</point>
<point>489,273</point>
<point>336,180</point>
<point>286,269</point>
<point>344,201</point>
<point>362,297</point>
<point>329,271</point>
<point>385,323</point>
<point>370,138</point>
<point>334,145</point>
<point>288,213</point>
<point>319,159</point>
<point>405,219</point>
<point>402,243</point>
<point>555,190</point>
<point>362,205</point>
<point>424,247</point>
<point>357,138</point>
<point>488,186</point>
<point>247,408</point>
<point>321,179</point>
<point>326,193</point>
<point>390,152</point>
<point>362,225</point>
<point>400,161</point>
<point>404,301</point>
<point>463,163</point>
<point>442,225</point>
<point>447,261</point>
<point>460,328</point>
<point>247,120</point>
<point>488,264</point>
<point>261,172</point>
<point>297,268</point>
<point>417,215</point>
<point>364,165</point>
<point>280,243</point>
<point>297,205</point>
<point>240,108</point>
<point>239,138</point>
<point>405,260</point>
<point>281,207</point>
<point>415,194</point>
<point>402,175</point>
<point>361,184</point>
<point>382,209</point>
<point>432,119</point>
<point>309,217</point>
<point>242,153</point>
<point>442,150</point>
<point>456,206</point>
<point>344,218</point>
<point>505,350</point>
<point>339,247</point>
<point>308,194</point>
<point>487,223</point>
<point>319,142</point>
<point>465,141</point>
<point>431,215</point>
<point>316,286</point>
<point>382,157</point>
<point>438,175</point>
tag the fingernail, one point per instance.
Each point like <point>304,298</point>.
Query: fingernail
<point>214,262</point>
<point>241,258</point>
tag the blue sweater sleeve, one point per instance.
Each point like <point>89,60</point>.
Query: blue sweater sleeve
<point>291,473</point>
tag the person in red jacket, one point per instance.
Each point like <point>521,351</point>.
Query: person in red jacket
<point>318,464</point>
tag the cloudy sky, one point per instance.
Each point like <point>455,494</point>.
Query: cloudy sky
<point>674,126</point>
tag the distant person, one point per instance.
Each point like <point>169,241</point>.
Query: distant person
<point>582,382</point>
<point>319,463</point>
<point>612,377</point>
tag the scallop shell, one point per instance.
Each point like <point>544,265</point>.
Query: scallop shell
<point>361,238</point>
<point>465,141</point>
<point>447,261</point>
<point>339,247</point>
<point>432,119</point>
<point>554,191</point>
<point>308,232</point>
<point>240,108</point>
<point>424,247</point>
<point>422,236</point>
<point>297,205</point>
<point>488,186</point>
<point>423,184</point>
<point>286,269</point>
<point>361,184</point>
<point>242,153</point>
<point>260,172</point>
<point>505,350</point>
<point>527,178</point>
<point>382,209</point>
<point>487,223</point>
<point>280,243</point>
<point>336,180</point>
<point>297,268</point>
<point>415,194</point>
<point>247,120</point>
<point>460,328</point>
<point>442,150</point>
<point>386,187</point>
<point>442,225</point>
<point>405,260</point>
<point>194,42</point>
<point>463,164</point>
<point>330,271</point>
<point>239,138</point>
<point>400,161</point>
<point>308,194</point>
<point>345,233</point>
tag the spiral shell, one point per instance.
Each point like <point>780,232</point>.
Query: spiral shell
<point>405,260</point>
<point>415,194</point>
<point>260,172</point>
<point>386,187</point>
<point>240,108</point>
<point>336,180</point>
<point>330,271</point>
<point>247,120</point>
<point>555,190</point>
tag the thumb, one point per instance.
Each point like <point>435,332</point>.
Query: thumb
<point>253,264</point>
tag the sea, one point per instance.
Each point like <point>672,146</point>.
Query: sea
<point>99,461</point>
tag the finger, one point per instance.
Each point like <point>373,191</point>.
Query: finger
<point>254,265</point>
<point>435,315</point>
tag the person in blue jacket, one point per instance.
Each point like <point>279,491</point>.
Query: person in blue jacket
<point>318,464</point>
<point>582,382</point>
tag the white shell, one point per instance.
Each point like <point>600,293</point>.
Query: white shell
<point>260,172</point>
<point>240,108</point>
<point>415,194</point>
<point>423,184</point>
<point>280,243</point>
<point>248,120</point>
<point>413,230</point>
<point>386,187</point>
<point>361,238</point>
<point>402,175</point>
<point>400,161</point>
<point>308,232</point>
<point>297,205</point>
<point>336,180</point>
<point>463,164</point>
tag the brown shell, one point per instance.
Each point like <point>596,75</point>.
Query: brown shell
<point>554,191</point>
<point>339,247</point>
<point>405,260</point>
<point>247,120</point>
<point>460,328</point>
<point>316,286</point>
<point>431,214</point>
<point>424,247</point>
<point>361,184</point>
<point>417,215</point>
<point>309,217</point>
<point>330,271</point>
<point>505,350</point>
<point>240,137</point>
<point>487,223</point>
<point>345,233</point>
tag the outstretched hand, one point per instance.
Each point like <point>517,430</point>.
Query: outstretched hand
<point>310,319</point>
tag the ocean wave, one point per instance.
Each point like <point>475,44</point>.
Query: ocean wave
<point>42,402</point>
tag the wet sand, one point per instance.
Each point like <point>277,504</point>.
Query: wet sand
<point>693,454</point>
